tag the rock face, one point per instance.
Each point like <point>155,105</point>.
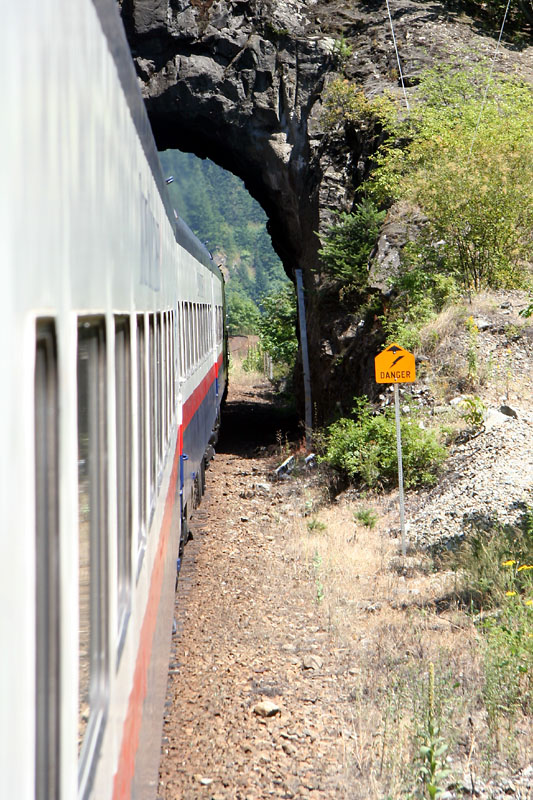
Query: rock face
<point>239,81</point>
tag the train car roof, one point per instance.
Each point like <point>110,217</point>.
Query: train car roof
<point>116,39</point>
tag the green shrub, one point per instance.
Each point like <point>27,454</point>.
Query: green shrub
<point>420,291</point>
<point>365,449</point>
<point>508,659</point>
<point>254,361</point>
<point>316,525</point>
<point>349,241</point>
<point>472,181</point>
<point>345,102</point>
<point>366,517</point>
<point>473,411</point>
<point>277,326</point>
<point>494,560</point>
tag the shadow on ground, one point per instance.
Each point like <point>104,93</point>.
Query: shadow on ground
<point>254,420</point>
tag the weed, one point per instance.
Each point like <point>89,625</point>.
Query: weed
<point>316,526</point>
<point>474,411</point>
<point>342,51</point>
<point>492,560</point>
<point>472,349</point>
<point>508,660</point>
<point>284,448</point>
<point>319,586</point>
<point>367,517</point>
<point>254,361</point>
<point>508,370</point>
<point>527,312</point>
<point>433,770</point>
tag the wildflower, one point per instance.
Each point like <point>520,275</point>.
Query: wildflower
<point>508,563</point>
<point>529,602</point>
<point>525,566</point>
<point>510,594</point>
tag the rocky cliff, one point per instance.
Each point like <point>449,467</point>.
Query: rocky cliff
<point>240,82</point>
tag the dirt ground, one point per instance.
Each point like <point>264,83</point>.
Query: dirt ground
<point>249,631</point>
<point>288,600</point>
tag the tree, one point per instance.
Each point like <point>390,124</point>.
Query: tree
<point>468,166</point>
<point>349,241</point>
<point>243,315</point>
<point>277,326</point>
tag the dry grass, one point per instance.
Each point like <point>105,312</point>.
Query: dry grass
<point>395,616</point>
<point>238,375</point>
<point>448,345</point>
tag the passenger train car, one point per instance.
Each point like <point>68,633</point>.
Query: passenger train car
<point>112,377</point>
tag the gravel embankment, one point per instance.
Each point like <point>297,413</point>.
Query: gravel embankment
<point>488,478</point>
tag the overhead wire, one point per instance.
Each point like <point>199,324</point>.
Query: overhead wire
<point>398,55</point>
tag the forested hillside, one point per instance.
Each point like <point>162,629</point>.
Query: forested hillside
<point>218,208</point>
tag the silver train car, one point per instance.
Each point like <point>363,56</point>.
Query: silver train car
<point>113,372</point>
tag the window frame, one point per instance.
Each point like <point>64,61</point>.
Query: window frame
<point>48,617</point>
<point>92,331</point>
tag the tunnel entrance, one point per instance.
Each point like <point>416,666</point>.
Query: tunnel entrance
<point>217,207</point>
<point>241,83</point>
<point>261,304</point>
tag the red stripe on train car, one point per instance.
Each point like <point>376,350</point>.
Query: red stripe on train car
<point>132,723</point>
<point>193,403</point>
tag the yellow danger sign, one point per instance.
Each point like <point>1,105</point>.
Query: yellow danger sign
<point>395,365</point>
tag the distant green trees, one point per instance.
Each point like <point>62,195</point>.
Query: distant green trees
<point>217,207</point>
<point>243,315</point>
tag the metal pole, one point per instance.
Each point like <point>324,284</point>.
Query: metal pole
<point>400,464</point>
<point>305,356</point>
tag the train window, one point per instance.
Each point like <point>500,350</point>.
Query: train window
<point>159,388</point>
<point>201,310</point>
<point>179,339</point>
<point>173,365</point>
<point>152,406</point>
<point>185,338</point>
<point>202,331</point>
<point>194,334</point>
<point>167,373</point>
<point>200,314</point>
<point>141,431</point>
<point>93,544</point>
<point>191,335</point>
<point>188,337</point>
<point>123,463</point>
<point>47,554</point>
